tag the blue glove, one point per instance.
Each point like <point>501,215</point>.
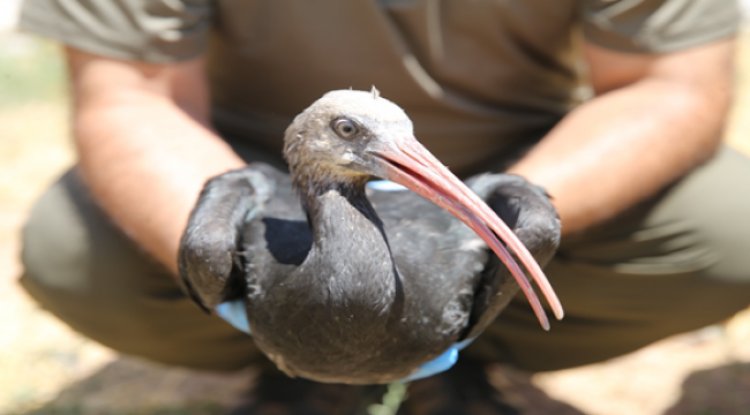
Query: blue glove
<point>385,186</point>
<point>234,313</point>
<point>439,364</point>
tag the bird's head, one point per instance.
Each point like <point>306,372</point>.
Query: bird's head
<point>348,136</point>
<point>338,138</point>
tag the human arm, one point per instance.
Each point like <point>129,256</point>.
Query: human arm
<point>145,145</point>
<point>654,117</point>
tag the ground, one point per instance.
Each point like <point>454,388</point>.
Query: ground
<point>47,369</point>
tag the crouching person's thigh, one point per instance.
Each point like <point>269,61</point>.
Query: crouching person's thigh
<point>82,269</point>
<point>673,264</point>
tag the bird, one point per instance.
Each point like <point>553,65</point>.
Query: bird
<point>343,283</point>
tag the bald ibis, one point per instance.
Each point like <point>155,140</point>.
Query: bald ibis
<point>355,285</point>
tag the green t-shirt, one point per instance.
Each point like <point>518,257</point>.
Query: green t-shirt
<point>481,79</point>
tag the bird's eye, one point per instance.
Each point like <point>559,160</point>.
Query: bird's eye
<point>345,128</point>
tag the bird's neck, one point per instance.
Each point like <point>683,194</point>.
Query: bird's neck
<point>350,254</point>
<point>339,207</point>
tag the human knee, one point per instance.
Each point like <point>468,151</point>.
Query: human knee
<point>54,243</point>
<point>715,201</point>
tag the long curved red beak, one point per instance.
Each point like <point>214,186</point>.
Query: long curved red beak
<point>407,162</point>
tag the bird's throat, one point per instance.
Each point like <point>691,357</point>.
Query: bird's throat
<point>351,252</point>
<point>342,208</point>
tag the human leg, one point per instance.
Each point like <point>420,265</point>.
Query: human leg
<point>82,269</point>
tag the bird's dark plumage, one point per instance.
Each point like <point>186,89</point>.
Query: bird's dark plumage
<point>353,286</point>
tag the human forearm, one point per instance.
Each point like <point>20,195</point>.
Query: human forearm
<point>147,176</point>
<point>144,152</point>
<point>623,147</point>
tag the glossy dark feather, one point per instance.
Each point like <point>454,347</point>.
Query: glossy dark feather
<point>353,286</point>
<point>449,286</point>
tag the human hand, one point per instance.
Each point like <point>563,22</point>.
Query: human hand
<point>211,268</point>
<point>527,210</point>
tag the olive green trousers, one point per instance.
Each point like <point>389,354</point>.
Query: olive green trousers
<point>675,263</point>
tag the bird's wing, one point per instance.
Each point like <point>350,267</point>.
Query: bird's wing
<point>276,242</point>
<point>439,259</point>
<point>528,211</point>
<point>449,264</point>
<point>210,266</point>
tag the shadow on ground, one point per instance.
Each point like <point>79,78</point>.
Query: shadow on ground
<point>128,386</point>
<point>723,390</point>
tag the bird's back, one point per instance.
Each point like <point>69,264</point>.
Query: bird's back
<point>439,258</point>
<point>438,261</point>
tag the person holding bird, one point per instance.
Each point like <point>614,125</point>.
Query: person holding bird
<point>615,108</point>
